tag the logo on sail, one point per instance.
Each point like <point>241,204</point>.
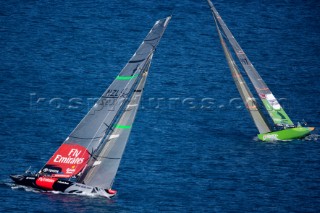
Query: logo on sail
<point>70,171</point>
<point>70,159</point>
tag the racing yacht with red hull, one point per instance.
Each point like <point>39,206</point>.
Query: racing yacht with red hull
<point>88,160</point>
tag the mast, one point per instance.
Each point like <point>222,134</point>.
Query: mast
<point>97,122</point>
<point>73,155</point>
<point>276,112</point>
<point>243,89</point>
<point>102,169</point>
<point>103,166</point>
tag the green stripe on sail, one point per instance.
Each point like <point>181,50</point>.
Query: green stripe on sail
<point>126,78</point>
<point>278,116</point>
<point>118,126</point>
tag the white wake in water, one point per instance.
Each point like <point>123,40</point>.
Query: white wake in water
<point>31,189</point>
<point>312,137</point>
<point>26,188</point>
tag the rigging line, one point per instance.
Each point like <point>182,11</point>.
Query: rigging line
<point>102,94</point>
<point>120,73</point>
<point>98,128</point>
<point>116,102</point>
<point>100,156</point>
<point>135,61</point>
<point>107,148</point>
<point>126,87</point>
<point>84,138</point>
<point>150,54</point>
<point>122,104</point>
<point>240,51</point>
<point>146,40</point>
<point>254,76</point>
<point>109,127</point>
<point>146,69</point>
<point>110,158</point>
<point>104,150</point>
<point>123,107</point>
<point>136,68</point>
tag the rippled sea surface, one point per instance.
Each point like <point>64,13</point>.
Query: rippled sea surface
<point>193,146</point>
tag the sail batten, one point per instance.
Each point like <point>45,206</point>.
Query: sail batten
<point>276,112</point>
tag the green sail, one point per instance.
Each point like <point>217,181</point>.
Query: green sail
<point>276,112</point>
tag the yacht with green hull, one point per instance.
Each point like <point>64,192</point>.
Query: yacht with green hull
<point>282,128</point>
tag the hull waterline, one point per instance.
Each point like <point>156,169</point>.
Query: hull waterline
<point>286,134</point>
<point>54,184</point>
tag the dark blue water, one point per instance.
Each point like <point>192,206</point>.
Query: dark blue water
<point>193,145</point>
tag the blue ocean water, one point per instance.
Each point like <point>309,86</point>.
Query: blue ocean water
<point>193,145</point>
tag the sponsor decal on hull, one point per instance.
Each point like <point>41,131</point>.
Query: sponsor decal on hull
<point>49,169</point>
<point>270,137</point>
<point>30,178</point>
<point>45,182</point>
<point>60,176</point>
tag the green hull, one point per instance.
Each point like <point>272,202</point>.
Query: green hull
<point>286,134</point>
